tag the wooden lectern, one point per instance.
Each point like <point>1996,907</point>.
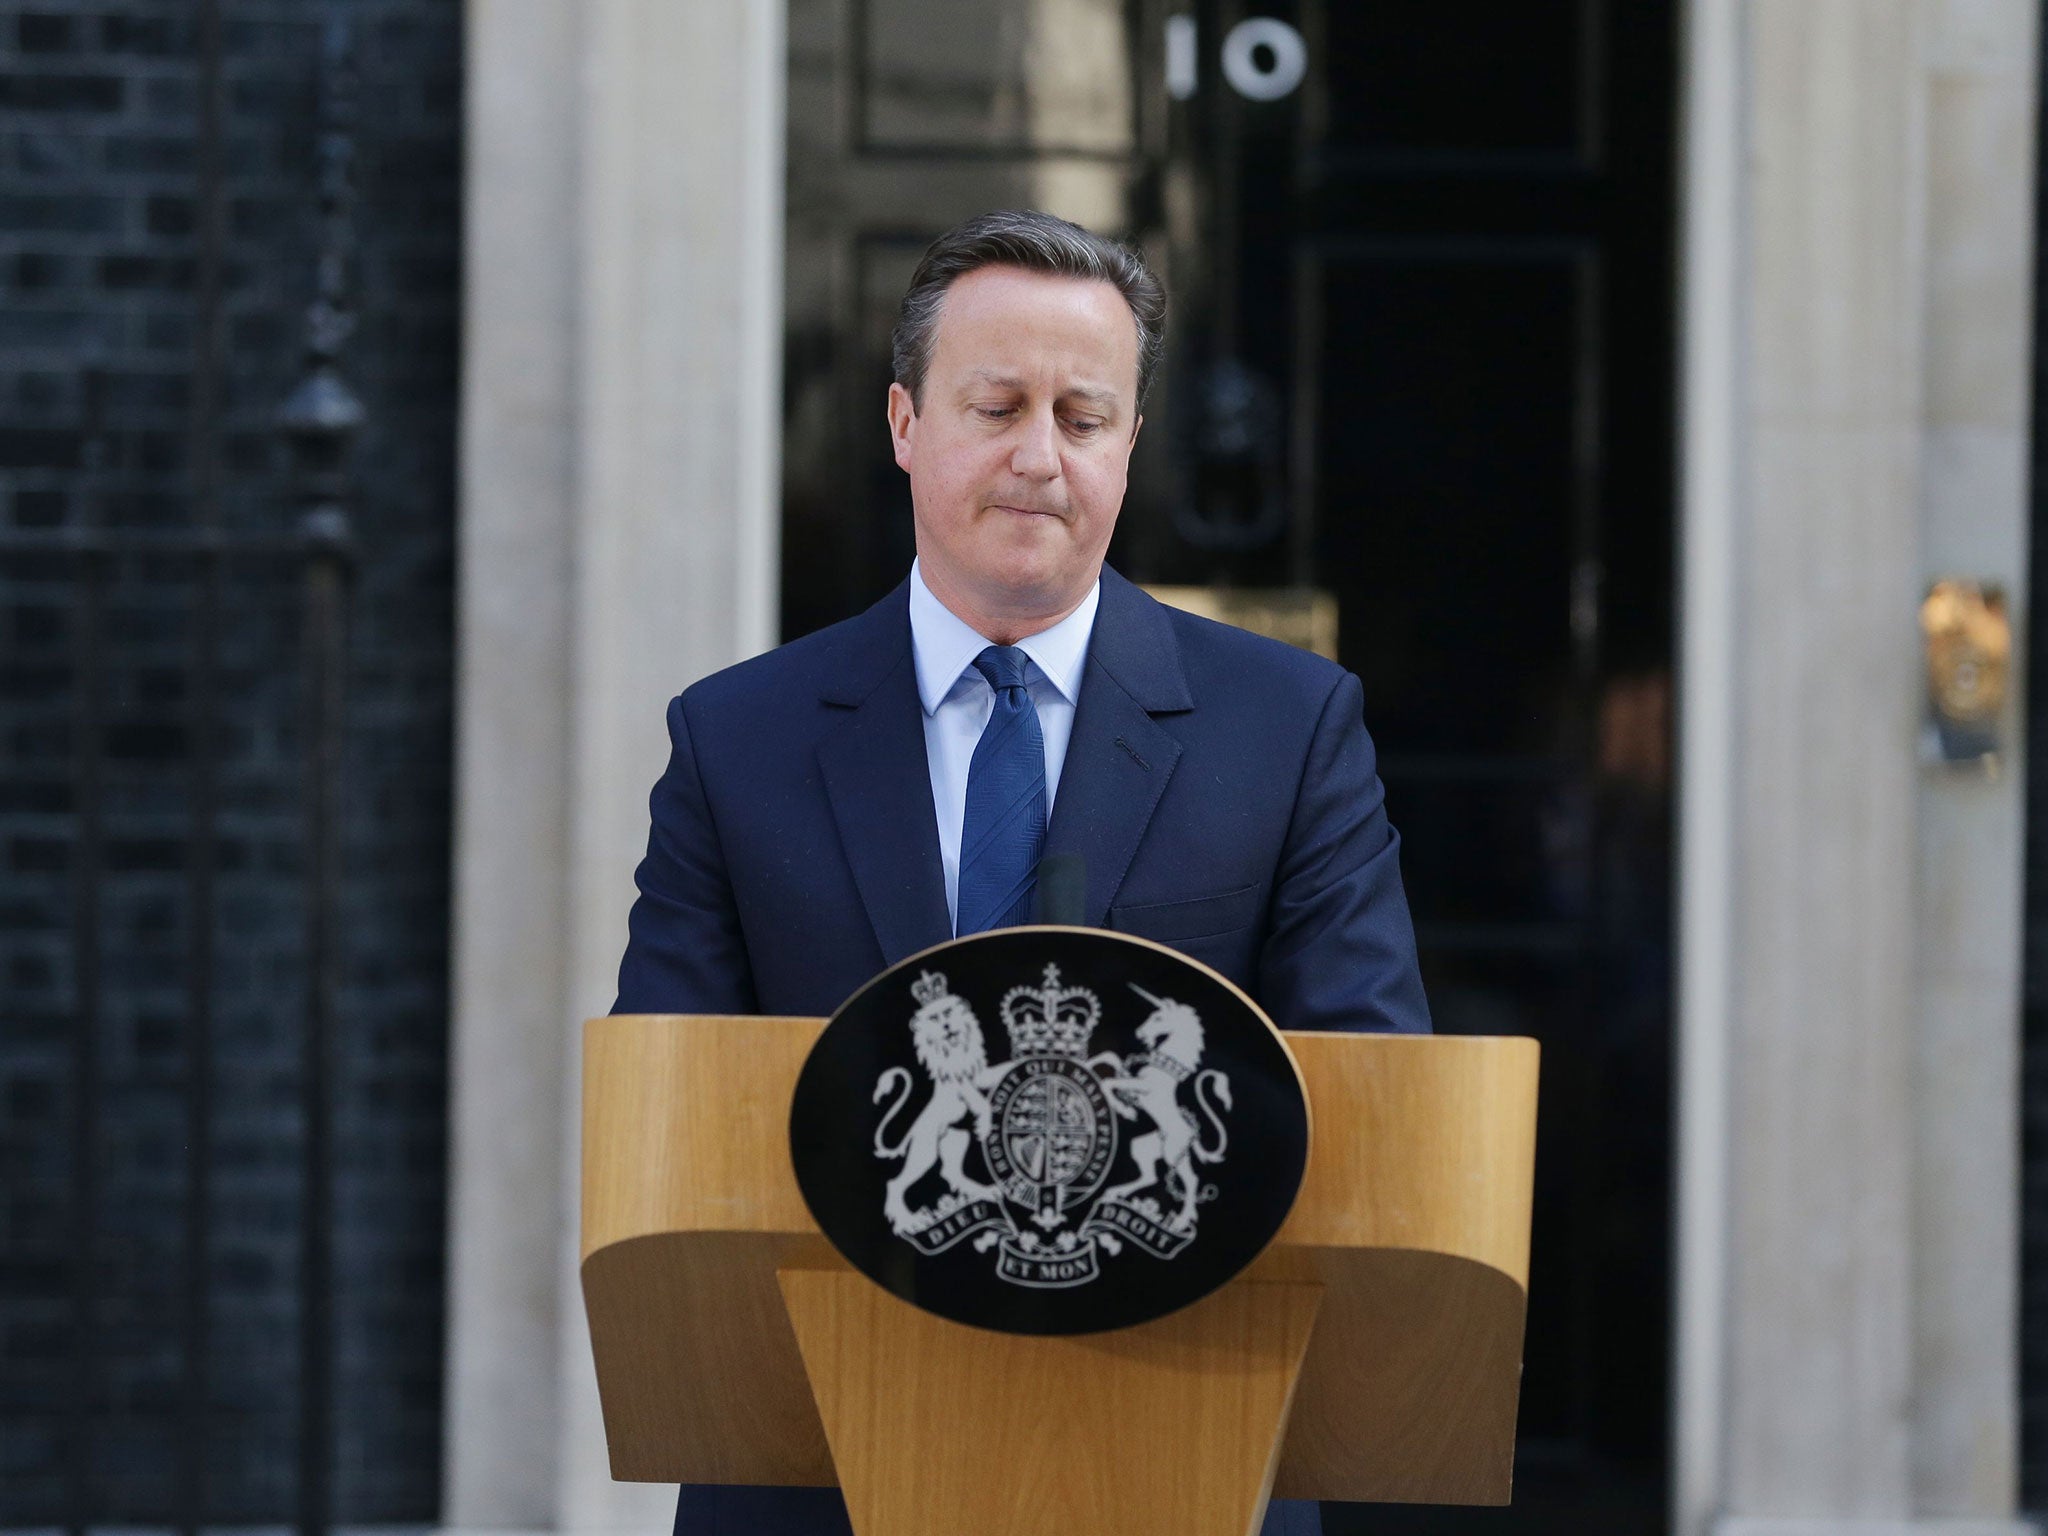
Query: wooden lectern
<point>1374,1351</point>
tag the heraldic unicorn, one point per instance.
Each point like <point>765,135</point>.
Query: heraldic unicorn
<point>1045,1123</point>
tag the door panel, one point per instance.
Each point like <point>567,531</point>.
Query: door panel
<point>1448,385</point>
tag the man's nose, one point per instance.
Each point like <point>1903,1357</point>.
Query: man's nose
<point>1036,455</point>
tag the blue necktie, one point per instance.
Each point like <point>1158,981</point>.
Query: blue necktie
<point>1004,829</point>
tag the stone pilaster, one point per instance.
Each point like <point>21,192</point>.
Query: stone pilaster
<point>1858,207</point>
<point>1980,68</point>
<point>620,509</point>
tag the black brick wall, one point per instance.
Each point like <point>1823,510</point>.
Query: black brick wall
<point>102,274</point>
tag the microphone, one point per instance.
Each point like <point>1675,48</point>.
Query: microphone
<point>1063,890</point>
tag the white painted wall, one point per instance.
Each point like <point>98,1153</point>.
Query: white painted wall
<point>1979,69</point>
<point>514,620</point>
<point>620,516</point>
<point>1858,195</point>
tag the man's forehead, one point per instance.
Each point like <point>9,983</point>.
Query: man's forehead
<point>1014,326</point>
<point>1006,378</point>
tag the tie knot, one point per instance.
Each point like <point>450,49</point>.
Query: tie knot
<point>1002,665</point>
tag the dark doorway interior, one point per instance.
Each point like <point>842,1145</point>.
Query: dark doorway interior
<point>1420,360</point>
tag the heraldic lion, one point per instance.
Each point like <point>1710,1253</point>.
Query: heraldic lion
<point>947,1038</point>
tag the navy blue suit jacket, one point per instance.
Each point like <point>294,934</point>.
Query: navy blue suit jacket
<point>1220,788</point>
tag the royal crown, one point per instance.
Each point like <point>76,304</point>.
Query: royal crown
<point>1049,1019</point>
<point>929,987</point>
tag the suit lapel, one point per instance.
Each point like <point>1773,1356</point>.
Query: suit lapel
<point>880,786</point>
<point>1119,759</point>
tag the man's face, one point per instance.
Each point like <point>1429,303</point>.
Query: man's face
<point>1019,453</point>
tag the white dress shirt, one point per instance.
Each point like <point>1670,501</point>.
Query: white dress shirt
<point>957,701</point>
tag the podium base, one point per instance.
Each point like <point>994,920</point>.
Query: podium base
<point>1176,1432</point>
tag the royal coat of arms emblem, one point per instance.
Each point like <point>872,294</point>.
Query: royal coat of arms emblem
<point>1049,1130</point>
<point>1046,1124</point>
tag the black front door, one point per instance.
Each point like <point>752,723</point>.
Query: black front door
<point>1419,365</point>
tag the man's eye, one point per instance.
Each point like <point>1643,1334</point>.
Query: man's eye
<point>1084,427</point>
<point>997,412</point>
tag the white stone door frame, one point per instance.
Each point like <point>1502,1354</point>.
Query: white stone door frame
<point>1856,197</point>
<point>1708,403</point>
<point>620,530</point>
<point>618,537</point>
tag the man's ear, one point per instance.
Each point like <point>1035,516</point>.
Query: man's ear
<point>902,425</point>
<point>1134,434</point>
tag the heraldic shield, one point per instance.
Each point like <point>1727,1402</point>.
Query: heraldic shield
<point>1050,1130</point>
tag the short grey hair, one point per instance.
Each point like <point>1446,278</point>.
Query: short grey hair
<point>1037,242</point>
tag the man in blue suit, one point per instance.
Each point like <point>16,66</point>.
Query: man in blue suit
<point>872,789</point>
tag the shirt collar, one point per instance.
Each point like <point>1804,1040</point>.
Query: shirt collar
<point>944,645</point>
